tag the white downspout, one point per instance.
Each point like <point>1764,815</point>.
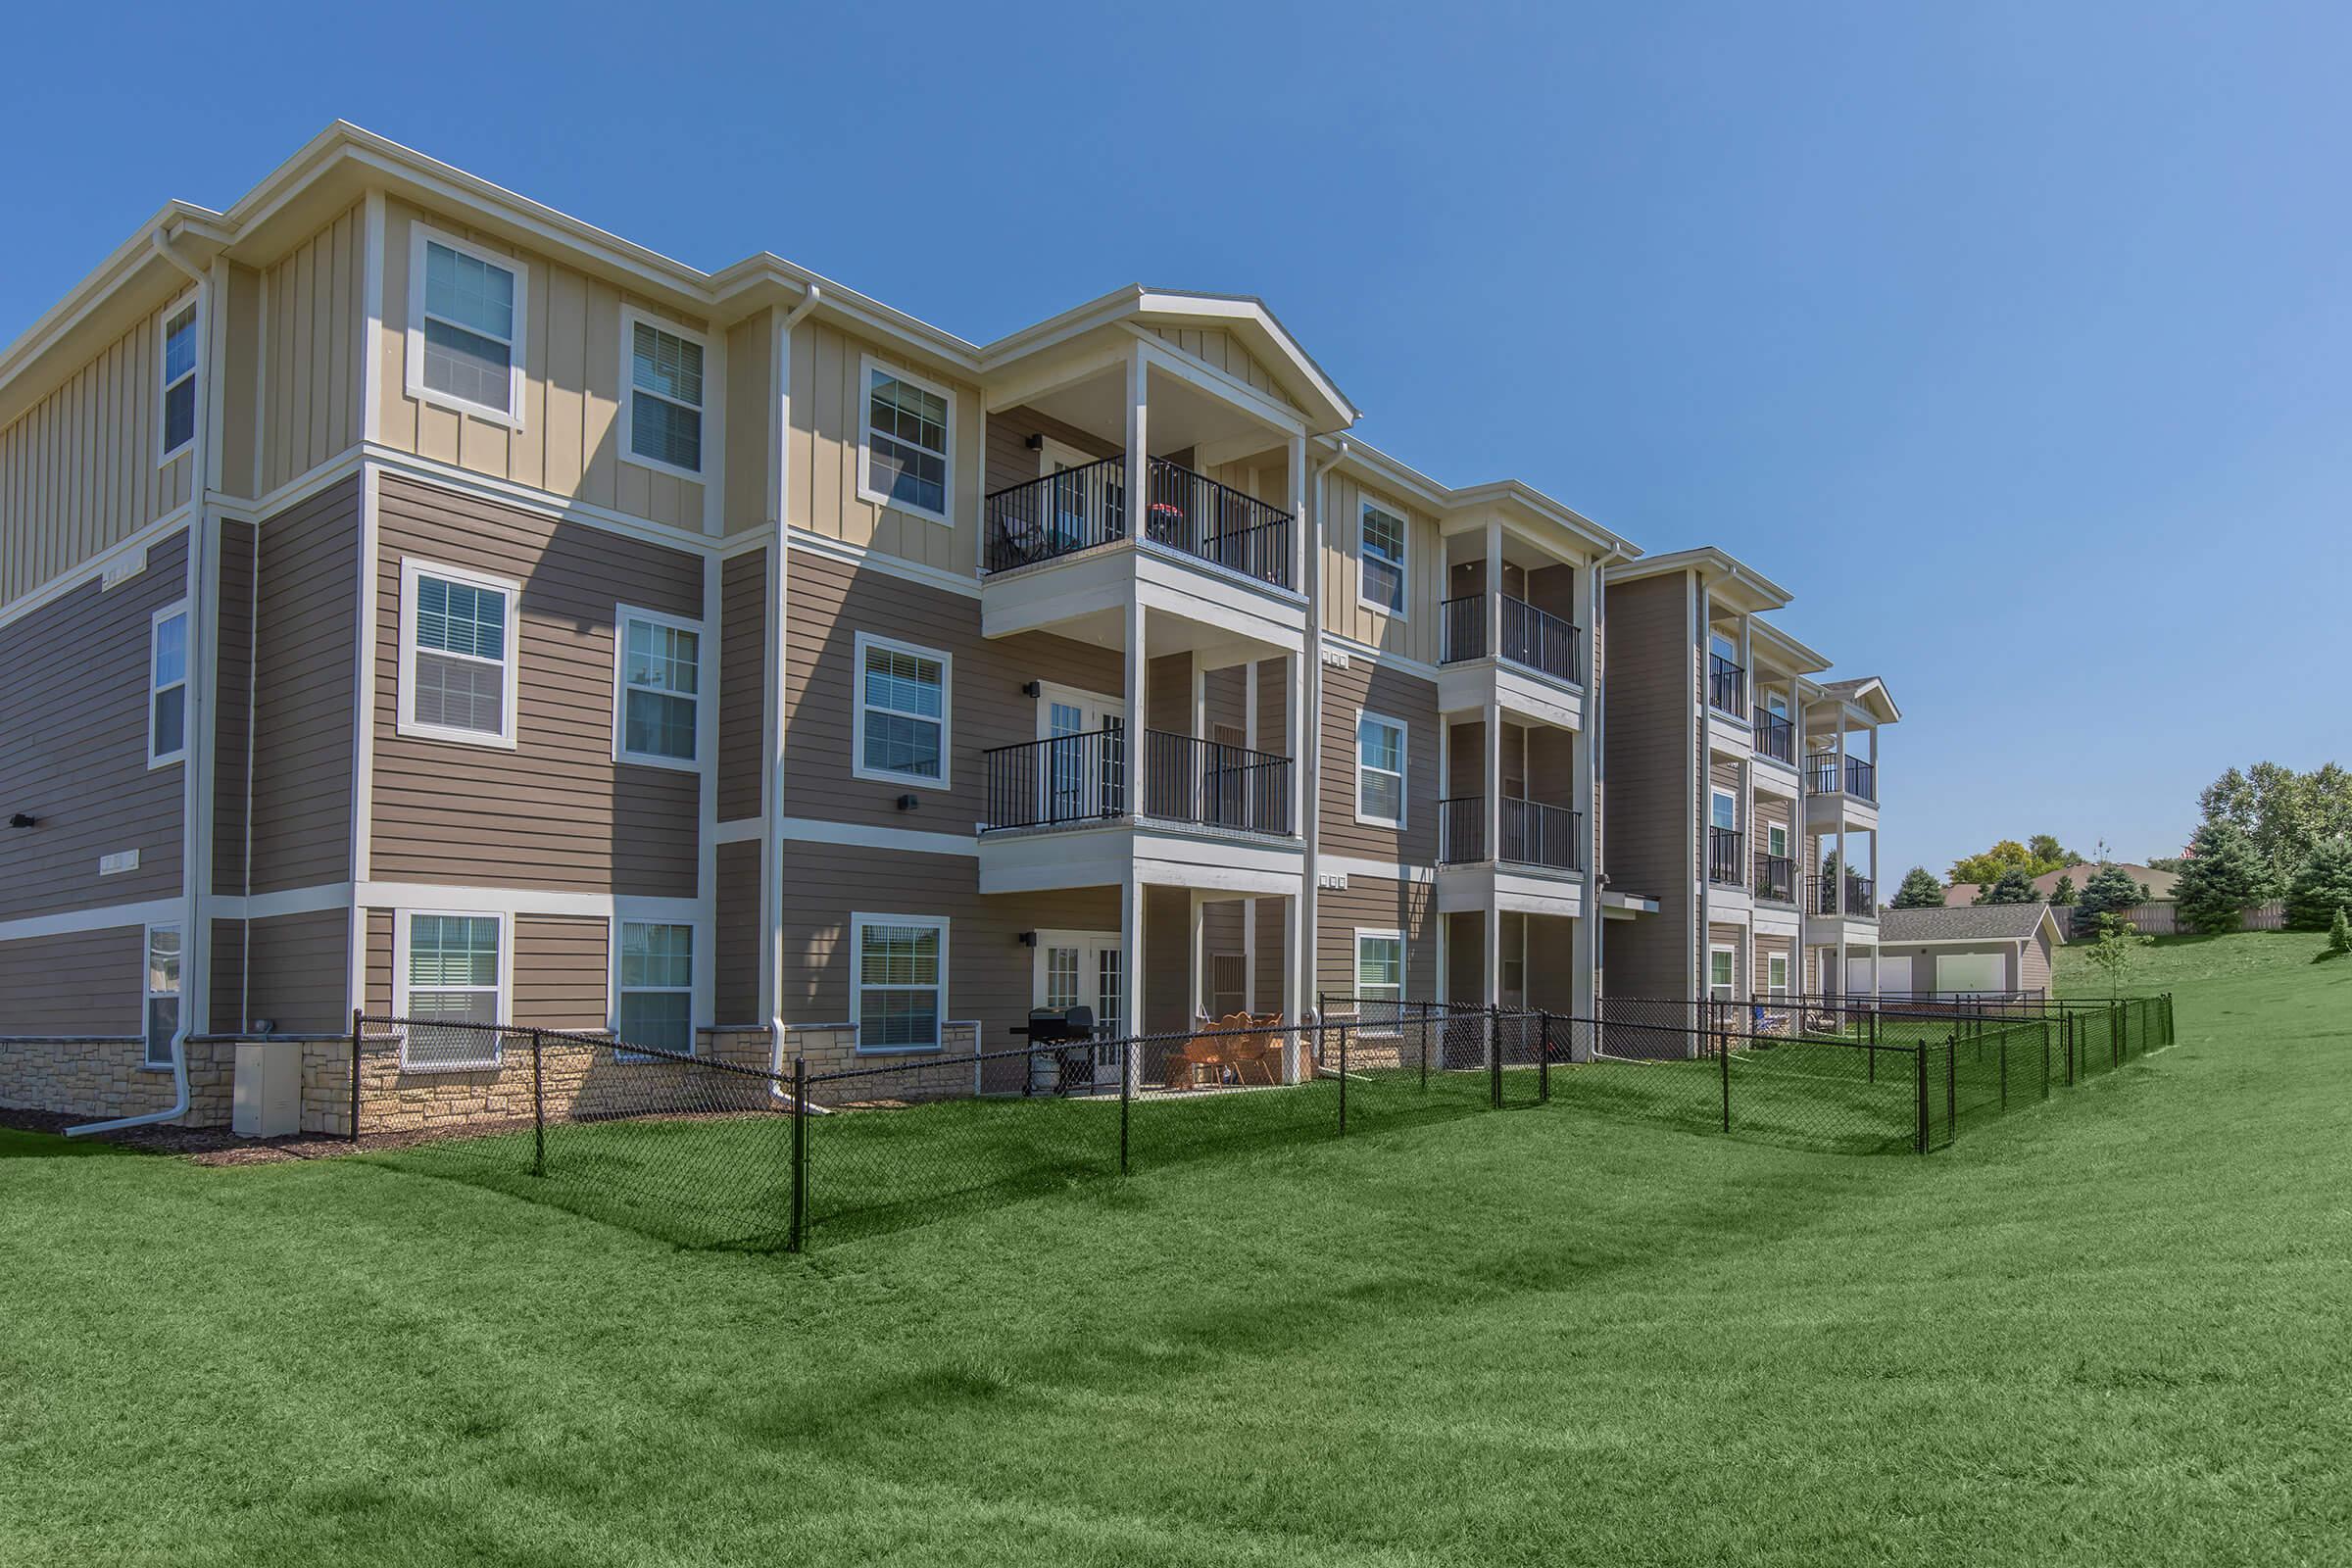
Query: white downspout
<point>1597,703</point>
<point>1310,738</point>
<point>195,943</point>
<point>771,850</point>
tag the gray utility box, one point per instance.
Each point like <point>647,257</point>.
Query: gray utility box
<point>268,1099</point>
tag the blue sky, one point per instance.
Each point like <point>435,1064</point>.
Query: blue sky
<point>2011,338</point>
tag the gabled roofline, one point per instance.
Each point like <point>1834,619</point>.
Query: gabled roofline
<point>725,294</point>
<point>1708,557</point>
<point>1367,461</point>
<point>1865,689</point>
<point>1798,657</point>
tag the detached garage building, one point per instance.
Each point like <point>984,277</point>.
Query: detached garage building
<point>1980,950</point>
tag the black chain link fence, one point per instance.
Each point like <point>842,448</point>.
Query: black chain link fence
<point>715,1150</point>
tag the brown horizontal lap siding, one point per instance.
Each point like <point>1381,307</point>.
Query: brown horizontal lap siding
<point>742,682</point>
<point>827,603</point>
<point>296,972</point>
<point>990,974</point>
<point>74,716</point>
<point>1391,693</point>
<point>736,999</point>
<point>562,972</point>
<point>232,718</point>
<point>305,662</point>
<point>1381,905</point>
<point>83,983</point>
<point>1011,461</point>
<point>1652,794</point>
<point>558,811</point>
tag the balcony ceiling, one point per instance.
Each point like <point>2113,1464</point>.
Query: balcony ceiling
<point>1182,417</point>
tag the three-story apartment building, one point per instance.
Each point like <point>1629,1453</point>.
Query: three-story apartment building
<point>425,602</point>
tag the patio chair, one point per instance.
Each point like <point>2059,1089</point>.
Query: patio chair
<point>1251,1051</point>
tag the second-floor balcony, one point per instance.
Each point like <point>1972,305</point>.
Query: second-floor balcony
<point>1525,635</point>
<point>1776,737</point>
<point>1081,508</point>
<point>1082,779</point>
<point>1858,779</point>
<point>1530,833</point>
<point>1726,861</point>
<point>1776,878</point>
<point>1822,896</point>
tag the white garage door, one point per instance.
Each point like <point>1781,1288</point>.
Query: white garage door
<point>1970,972</point>
<point>1894,975</point>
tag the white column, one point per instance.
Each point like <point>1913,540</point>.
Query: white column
<point>1298,735</point>
<point>1192,943</point>
<point>1444,775</point>
<point>1490,782</point>
<point>1493,937</point>
<point>1297,501</point>
<point>1294,1063</point>
<point>1138,438</point>
<point>1495,585</point>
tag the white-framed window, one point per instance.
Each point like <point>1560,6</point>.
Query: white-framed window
<point>907,441</point>
<point>177,385</point>
<point>1379,754</point>
<point>161,1009</point>
<point>653,985</point>
<point>1776,839</point>
<point>458,654</point>
<point>168,685</point>
<point>660,395</point>
<point>897,980</point>
<point>1379,978</point>
<point>657,688</point>
<point>1776,977</point>
<point>1725,810</point>
<point>1722,974</point>
<point>450,967</point>
<point>467,309</point>
<point>903,713</point>
<point>1380,536</point>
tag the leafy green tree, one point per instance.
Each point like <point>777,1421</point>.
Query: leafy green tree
<point>2014,887</point>
<point>2339,936</point>
<point>2064,893</point>
<point>2285,814</point>
<point>2038,856</point>
<point>2219,879</point>
<point>1920,890</point>
<point>2116,949</point>
<point>2110,891</point>
<point>2322,887</point>
<point>2048,853</point>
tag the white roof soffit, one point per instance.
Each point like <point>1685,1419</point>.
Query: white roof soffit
<point>1366,461</point>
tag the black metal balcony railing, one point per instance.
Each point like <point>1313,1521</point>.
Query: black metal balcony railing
<point>1776,878</point>
<point>1531,833</point>
<point>1726,861</point>
<point>1461,829</point>
<point>1186,779</point>
<point>1861,777</point>
<point>1821,897</point>
<point>1079,509</point>
<point>1536,638</point>
<point>1776,737</point>
<point>1083,778</point>
<point>1463,629</point>
<point>1536,834</point>
<point>1727,686</point>
<point>1541,640</point>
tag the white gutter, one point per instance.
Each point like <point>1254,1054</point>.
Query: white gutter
<point>195,945</point>
<point>1311,731</point>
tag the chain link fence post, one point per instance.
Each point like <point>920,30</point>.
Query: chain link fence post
<point>1494,1057</point>
<point>1344,1078</point>
<point>1951,1090</point>
<point>356,1019</point>
<point>2045,1059</point>
<point>1919,1061</point>
<point>538,1112</point>
<point>1126,1097</point>
<point>800,1154</point>
<point>2002,1039</point>
<point>1723,1058</point>
<point>1543,1057</point>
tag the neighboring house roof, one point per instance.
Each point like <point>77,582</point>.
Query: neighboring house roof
<point>1982,922</point>
<point>2159,883</point>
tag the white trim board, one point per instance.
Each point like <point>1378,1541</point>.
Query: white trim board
<point>865,836</point>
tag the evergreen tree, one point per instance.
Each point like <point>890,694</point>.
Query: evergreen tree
<point>2220,879</point>
<point>2014,887</point>
<point>2339,936</point>
<point>2323,887</point>
<point>1920,890</point>
<point>2109,891</point>
<point>2064,893</point>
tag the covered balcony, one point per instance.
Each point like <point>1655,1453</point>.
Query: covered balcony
<point>1507,631</point>
<point>1085,778</point>
<point>1511,824</point>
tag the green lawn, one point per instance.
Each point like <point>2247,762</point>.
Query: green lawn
<point>2112,1330</point>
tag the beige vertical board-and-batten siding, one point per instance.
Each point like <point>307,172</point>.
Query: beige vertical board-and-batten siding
<point>570,439</point>
<point>556,811</point>
<point>1414,635</point>
<point>828,395</point>
<point>78,469</point>
<point>73,733</point>
<point>1218,349</point>
<point>314,317</point>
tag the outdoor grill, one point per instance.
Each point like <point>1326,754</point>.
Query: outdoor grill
<point>1072,1064</point>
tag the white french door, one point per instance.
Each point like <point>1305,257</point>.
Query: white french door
<point>1084,969</point>
<point>1080,777</point>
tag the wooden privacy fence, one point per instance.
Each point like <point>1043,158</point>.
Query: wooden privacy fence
<point>2164,919</point>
